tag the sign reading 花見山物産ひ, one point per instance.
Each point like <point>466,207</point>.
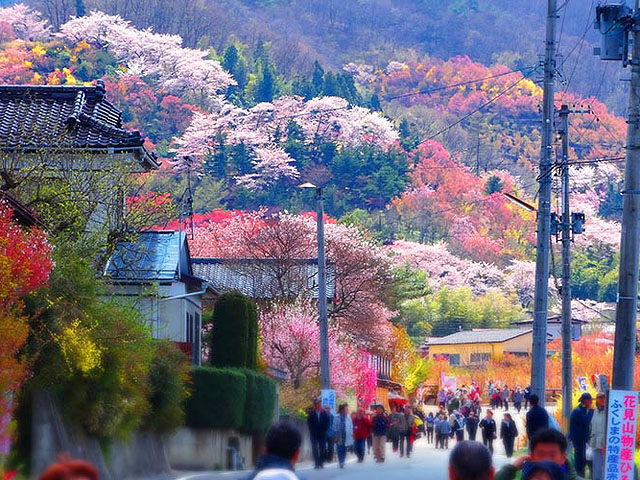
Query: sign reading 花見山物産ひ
<point>622,423</point>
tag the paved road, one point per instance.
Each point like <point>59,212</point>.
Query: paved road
<point>426,463</point>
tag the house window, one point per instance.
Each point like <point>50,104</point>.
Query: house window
<point>480,357</point>
<point>454,359</point>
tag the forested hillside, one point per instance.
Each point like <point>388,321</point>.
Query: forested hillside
<point>415,129</point>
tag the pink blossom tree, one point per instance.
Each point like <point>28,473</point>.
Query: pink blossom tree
<point>290,341</point>
<point>263,127</point>
<point>152,55</point>
<point>25,23</point>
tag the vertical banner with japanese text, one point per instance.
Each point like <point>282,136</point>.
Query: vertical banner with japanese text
<point>622,422</point>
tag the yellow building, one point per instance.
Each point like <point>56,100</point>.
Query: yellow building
<point>477,347</point>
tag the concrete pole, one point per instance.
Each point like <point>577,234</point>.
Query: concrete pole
<point>322,294</point>
<point>541,296</point>
<point>567,377</point>
<point>626,308</point>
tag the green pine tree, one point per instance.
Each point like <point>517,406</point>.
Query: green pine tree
<point>317,80</point>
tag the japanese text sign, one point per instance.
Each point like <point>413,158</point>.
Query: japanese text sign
<point>622,423</point>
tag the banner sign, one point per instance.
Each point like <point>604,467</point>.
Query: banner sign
<point>582,382</point>
<point>622,421</point>
<point>448,383</point>
<point>329,399</point>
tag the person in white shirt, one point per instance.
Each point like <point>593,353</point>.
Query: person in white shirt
<point>598,435</point>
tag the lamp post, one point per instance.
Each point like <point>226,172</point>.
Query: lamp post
<point>322,289</point>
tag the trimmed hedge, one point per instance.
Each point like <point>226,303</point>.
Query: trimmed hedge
<point>252,352</point>
<point>230,333</point>
<point>218,398</point>
<point>240,399</point>
<point>260,403</point>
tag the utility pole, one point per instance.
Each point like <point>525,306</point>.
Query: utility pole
<point>325,379</point>
<point>567,377</point>
<point>627,304</point>
<point>543,244</point>
<point>570,224</point>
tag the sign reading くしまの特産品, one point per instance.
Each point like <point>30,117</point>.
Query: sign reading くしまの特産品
<point>622,422</point>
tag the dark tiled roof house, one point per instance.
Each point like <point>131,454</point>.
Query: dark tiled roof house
<point>66,119</point>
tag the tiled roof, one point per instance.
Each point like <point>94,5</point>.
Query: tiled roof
<point>65,117</point>
<point>497,335</point>
<point>264,278</point>
<point>154,255</point>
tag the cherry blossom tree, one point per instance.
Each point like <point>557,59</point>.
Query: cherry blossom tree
<point>362,268</point>
<point>290,341</point>
<point>152,55</point>
<point>263,127</point>
<point>25,23</point>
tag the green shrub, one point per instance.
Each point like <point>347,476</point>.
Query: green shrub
<point>217,398</point>
<point>260,402</point>
<point>168,377</point>
<point>230,333</point>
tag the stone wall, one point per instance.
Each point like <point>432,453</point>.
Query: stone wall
<point>205,449</point>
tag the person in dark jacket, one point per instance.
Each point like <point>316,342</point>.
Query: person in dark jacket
<point>379,427</point>
<point>318,422</point>
<point>537,417</point>
<point>489,430</point>
<point>580,431</point>
<point>282,447</point>
<point>472,426</point>
<point>508,434</point>
<point>546,445</point>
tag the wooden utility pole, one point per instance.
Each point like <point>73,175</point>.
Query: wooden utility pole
<point>541,296</point>
<point>627,304</point>
<point>567,377</point>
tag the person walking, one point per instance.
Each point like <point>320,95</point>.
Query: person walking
<point>579,431</point>
<point>527,396</point>
<point>508,434</point>
<point>598,436</point>
<point>472,426</point>
<point>344,433</point>
<point>537,417</point>
<point>318,422</point>
<point>430,424</point>
<point>505,397</point>
<point>518,396</point>
<point>380,427</point>
<point>459,426</point>
<point>489,430</point>
<point>330,437</point>
<point>361,431</point>
<point>445,432</point>
<point>407,434</point>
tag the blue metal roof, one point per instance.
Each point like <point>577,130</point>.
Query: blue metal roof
<point>154,255</point>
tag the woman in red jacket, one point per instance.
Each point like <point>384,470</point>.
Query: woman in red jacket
<point>361,430</point>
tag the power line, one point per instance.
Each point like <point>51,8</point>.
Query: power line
<point>456,85</point>
<point>474,111</point>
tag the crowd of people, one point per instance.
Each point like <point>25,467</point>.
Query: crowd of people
<point>360,432</point>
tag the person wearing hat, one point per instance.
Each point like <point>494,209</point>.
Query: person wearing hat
<point>598,436</point>
<point>580,431</point>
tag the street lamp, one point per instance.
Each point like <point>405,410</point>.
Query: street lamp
<point>322,289</point>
